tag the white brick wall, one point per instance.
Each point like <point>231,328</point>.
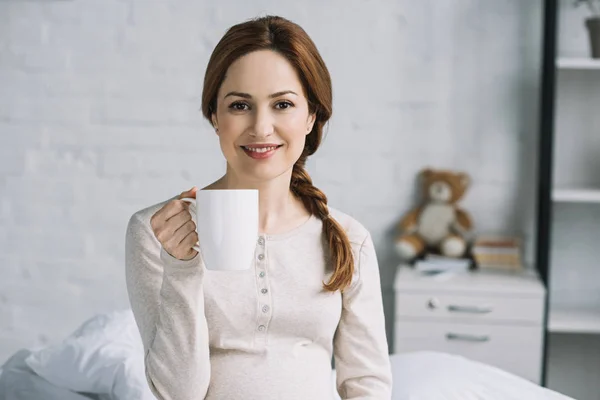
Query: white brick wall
<point>99,117</point>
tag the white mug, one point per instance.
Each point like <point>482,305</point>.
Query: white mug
<point>227,226</point>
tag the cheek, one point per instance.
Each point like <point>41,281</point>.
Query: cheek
<point>293,128</point>
<point>295,138</point>
<point>230,130</point>
<point>230,127</point>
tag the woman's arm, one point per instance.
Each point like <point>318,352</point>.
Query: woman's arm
<point>360,346</point>
<point>167,299</point>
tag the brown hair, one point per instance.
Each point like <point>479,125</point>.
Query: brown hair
<point>292,42</point>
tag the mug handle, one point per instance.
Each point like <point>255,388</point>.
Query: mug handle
<point>192,201</point>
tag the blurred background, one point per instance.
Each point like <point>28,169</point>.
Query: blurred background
<point>99,117</point>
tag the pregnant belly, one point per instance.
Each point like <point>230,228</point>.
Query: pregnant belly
<point>271,376</point>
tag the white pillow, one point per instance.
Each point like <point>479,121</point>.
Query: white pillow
<point>103,356</point>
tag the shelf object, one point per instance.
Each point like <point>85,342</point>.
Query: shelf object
<point>577,63</point>
<point>574,320</point>
<point>576,195</point>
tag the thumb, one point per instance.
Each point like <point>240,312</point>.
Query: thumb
<point>189,193</point>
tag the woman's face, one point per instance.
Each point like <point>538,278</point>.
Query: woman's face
<point>262,102</point>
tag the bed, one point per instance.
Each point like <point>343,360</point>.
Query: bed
<point>102,360</point>
<point>19,382</point>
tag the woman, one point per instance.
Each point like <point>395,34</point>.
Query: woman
<point>314,291</point>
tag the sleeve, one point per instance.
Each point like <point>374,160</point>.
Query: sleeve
<point>167,300</point>
<point>360,345</point>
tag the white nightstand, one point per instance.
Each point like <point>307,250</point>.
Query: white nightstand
<point>495,318</point>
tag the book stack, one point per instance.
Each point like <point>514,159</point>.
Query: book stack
<point>497,252</point>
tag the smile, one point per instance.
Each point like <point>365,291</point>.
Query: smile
<point>260,153</point>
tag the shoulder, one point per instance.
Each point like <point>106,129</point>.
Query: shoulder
<point>361,242</point>
<point>357,233</point>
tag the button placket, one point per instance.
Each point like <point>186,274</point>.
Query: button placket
<point>264,299</point>
<point>261,257</point>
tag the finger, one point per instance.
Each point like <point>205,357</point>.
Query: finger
<point>190,240</point>
<point>190,194</point>
<point>178,220</point>
<point>185,248</point>
<point>171,209</point>
<point>165,230</point>
<point>174,206</point>
<point>183,231</point>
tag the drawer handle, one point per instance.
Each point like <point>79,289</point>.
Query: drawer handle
<point>471,309</point>
<point>467,338</point>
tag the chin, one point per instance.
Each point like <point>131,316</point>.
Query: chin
<point>260,173</point>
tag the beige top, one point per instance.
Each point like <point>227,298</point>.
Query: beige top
<point>266,333</point>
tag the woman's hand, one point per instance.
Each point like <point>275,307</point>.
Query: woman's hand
<point>173,227</point>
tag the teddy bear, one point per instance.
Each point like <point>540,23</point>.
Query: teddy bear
<point>438,225</point>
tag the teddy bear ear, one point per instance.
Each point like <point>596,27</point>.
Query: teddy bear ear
<point>426,173</point>
<point>465,180</point>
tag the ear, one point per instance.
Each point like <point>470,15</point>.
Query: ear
<point>426,173</point>
<point>310,122</point>
<point>465,180</point>
<point>213,118</point>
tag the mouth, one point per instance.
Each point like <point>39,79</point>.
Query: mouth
<point>259,153</point>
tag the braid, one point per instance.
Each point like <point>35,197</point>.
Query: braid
<point>315,202</point>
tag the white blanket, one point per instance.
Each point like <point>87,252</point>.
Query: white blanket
<point>440,376</point>
<point>105,357</point>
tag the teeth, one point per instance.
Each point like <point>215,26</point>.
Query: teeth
<point>263,150</point>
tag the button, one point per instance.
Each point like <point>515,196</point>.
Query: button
<point>261,256</point>
<point>261,328</point>
<point>262,274</point>
<point>263,291</point>
<point>265,308</point>
<point>433,303</point>
<point>261,241</point>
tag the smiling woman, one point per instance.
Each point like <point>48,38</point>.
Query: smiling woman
<point>314,291</point>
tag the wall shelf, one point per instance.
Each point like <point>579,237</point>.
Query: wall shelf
<point>578,63</point>
<point>574,320</point>
<point>567,149</point>
<point>576,195</point>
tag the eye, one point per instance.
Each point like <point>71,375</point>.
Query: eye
<point>286,103</point>
<point>238,106</point>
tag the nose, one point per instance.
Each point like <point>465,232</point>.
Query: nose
<point>263,123</point>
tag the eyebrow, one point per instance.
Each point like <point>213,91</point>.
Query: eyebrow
<point>271,96</point>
